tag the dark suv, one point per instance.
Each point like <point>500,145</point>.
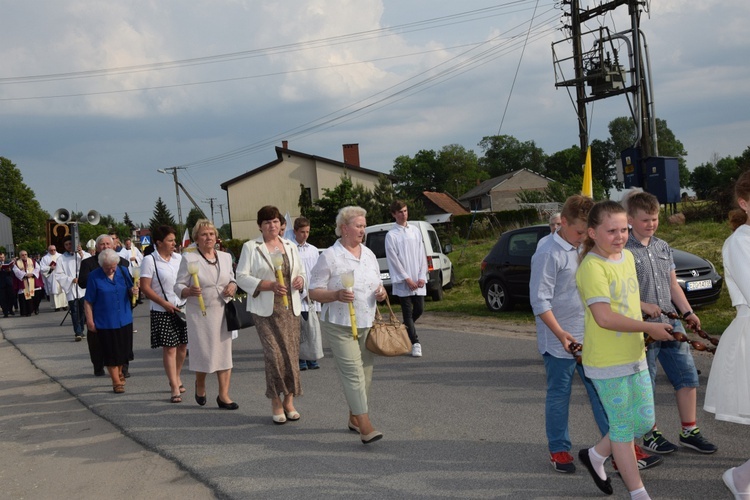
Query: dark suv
<point>506,271</point>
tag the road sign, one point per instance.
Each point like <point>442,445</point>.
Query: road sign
<point>145,241</point>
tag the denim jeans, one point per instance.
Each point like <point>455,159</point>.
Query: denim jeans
<point>412,308</point>
<point>560,373</point>
<point>77,315</point>
<point>676,359</point>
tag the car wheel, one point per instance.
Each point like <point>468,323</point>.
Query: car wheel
<point>452,281</point>
<point>437,293</point>
<point>496,296</point>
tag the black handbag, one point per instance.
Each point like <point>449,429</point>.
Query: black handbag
<point>236,313</point>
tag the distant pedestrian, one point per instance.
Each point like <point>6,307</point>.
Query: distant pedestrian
<point>28,283</point>
<point>309,255</point>
<point>407,265</point>
<point>555,222</point>
<point>7,295</point>
<point>55,294</point>
<point>66,274</point>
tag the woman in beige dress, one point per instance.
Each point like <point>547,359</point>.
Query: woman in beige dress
<point>209,340</point>
<point>275,307</point>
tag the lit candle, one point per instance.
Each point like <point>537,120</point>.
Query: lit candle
<point>278,261</point>
<point>347,279</point>
<point>136,283</point>
<point>193,270</point>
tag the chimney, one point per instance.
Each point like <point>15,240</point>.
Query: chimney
<point>351,154</point>
<point>284,144</point>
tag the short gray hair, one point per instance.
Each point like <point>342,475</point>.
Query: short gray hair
<point>346,215</point>
<point>108,256</point>
<point>556,215</point>
<point>101,237</point>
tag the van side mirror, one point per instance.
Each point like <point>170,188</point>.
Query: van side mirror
<point>448,249</point>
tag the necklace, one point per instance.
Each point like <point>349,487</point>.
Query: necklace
<point>210,262</point>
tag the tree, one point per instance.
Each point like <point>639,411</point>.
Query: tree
<point>162,216</point>
<point>453,169</point>
<point>19,203</point>
<point>418,174</point>
<point>324,211</point>
<point>126,220</point>
<point>604,165</point>
<point>194,216</point>
<point>504,154</point>
<point>461,169</point>
<point>383,196</point>
<point>563,164</point>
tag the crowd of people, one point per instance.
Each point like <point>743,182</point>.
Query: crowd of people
<point>603,291</point>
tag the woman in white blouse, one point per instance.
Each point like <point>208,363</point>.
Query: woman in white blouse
<point>353,360</point>
<point>168,329</point>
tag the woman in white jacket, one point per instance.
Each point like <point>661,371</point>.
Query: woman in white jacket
<point>275,306</point>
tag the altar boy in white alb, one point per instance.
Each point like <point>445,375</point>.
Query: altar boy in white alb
<point>407,265</point>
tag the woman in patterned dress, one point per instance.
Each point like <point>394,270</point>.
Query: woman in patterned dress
<point>275,307</point>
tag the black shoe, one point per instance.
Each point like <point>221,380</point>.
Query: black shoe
<point>99,372</point>
<point>201,400</point>
<point>226,406</point>
<point>605,486</point>
<point>125,371</point>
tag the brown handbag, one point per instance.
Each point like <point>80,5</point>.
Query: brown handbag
<point>388,338</point>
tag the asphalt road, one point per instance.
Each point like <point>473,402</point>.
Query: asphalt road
<point>464,421</point>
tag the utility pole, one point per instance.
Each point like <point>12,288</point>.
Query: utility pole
<point>221,211</point>
<point>173,170</point>
<point>598,66</point>
<point>210,201</point>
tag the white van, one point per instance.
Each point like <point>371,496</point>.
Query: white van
<point>439,267</point>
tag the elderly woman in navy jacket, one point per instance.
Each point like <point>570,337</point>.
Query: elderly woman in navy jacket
<point>108,313</point>
<point>275,309</point>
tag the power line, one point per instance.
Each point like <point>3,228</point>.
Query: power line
<point>462,17</point>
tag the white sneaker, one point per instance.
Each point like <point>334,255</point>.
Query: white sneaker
<point>416,350</point>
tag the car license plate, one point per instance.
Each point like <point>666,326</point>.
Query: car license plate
<point>698,285</point>
<point>385,276</point>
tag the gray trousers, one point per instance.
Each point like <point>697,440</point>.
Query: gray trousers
<point>353,362</point>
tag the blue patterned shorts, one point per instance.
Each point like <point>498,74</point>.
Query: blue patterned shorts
<point>629,403</point>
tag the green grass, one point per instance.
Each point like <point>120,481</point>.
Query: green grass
<point>701,238</point>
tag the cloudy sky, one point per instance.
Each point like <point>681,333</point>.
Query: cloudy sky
<point>96,96</point>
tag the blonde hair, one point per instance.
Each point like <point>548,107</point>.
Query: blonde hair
<point>200,224</point>
<point>596,218</point>
<point>346,215</point>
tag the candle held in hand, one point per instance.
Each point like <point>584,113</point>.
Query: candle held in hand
<point>193,270</point>
<point>347,279</point>
<point>278,262</point>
